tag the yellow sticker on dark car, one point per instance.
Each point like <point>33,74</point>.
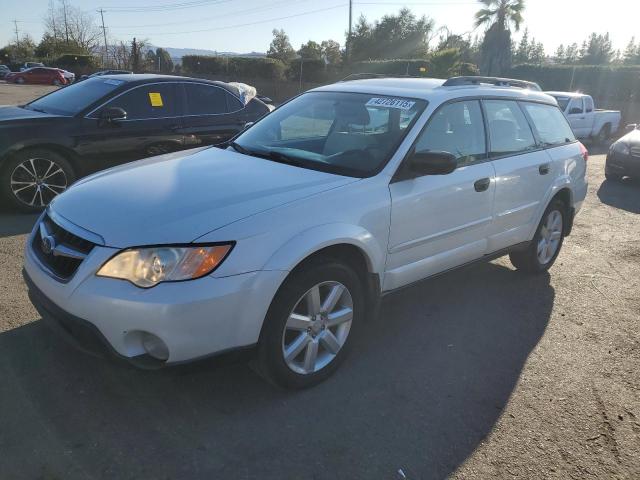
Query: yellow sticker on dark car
<point>156,99</point>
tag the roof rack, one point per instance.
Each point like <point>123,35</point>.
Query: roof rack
<point>498,82</point>
<point>365,76</point>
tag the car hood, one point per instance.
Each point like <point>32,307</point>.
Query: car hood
<point>10,113</point>
<point>177,198</point>
<point>632,138</point>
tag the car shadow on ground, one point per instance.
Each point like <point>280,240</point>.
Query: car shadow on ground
<point>13,223</point>
<point>623,194</point>
<point>425,384</point>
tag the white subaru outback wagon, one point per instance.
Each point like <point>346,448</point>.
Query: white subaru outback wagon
<point>285,238</point>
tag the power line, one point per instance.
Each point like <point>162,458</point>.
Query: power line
<point>163,7</point>
<point>342,5</point>
<point>229,14</point>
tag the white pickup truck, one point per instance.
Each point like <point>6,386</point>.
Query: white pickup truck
<point>585,120</point>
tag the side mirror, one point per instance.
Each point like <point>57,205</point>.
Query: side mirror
<point>247,125</point>
<point>432,163</point>
<point>112,115</point>
<point>631,127</point>
<point>575,111</point>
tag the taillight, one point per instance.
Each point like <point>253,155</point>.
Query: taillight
<point>584,152</point>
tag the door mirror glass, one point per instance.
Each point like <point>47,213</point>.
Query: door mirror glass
<point>112,115</point>
<point>432,163</point>
<point>575,111</point>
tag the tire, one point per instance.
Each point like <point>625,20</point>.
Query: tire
<point>20,80</point>
<point>280,335</point>
<point>532,260</point>
<point>603,135</point>
<point>53,175</point>
<point>56,82</point>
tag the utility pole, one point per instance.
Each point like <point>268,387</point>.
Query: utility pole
<point>15,23</point>
<point>104,33</point>
<point>349,36</point>
<point>66,23</point>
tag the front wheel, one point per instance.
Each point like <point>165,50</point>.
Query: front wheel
<point>20,80</point>
<point>546,244</point>
<point>311,325</point>
<point>30,179</point>
<point>57,82</point>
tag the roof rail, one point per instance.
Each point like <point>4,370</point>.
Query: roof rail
<point>498,82</point>
<point>365,76</point>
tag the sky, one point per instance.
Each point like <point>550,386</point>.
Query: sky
<point>246,25</point>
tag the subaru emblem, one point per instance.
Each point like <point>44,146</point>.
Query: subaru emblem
<point>48,244</point>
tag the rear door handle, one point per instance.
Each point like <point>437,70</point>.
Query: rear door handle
<point>544,169</point>
<point>482,184</point>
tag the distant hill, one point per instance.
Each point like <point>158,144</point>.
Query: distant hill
<point>177,53</point>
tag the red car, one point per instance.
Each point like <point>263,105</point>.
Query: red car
<point>49,76</point>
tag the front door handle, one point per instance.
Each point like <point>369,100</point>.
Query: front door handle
<point>544,169</point>
<point>482,184</point>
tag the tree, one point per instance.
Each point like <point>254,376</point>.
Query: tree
<point>163,61</point>
<point>393,36</point>
<point>597,50</point>
<point>310,51</point>
<point>631,55</point>
<point>331,52</point>
<point>448,62</point>
<point>529,51</point>
<point>18,52</point>
<point>498,16</point>
<point>280,47</point>
<point>71,30</point>
<point>469,50</point>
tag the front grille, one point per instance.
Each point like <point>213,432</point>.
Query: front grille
<point>62,266</point>
<point>635,151</point>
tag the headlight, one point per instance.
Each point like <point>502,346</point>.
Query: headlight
<point>620,147</point>
<point>146,267</point>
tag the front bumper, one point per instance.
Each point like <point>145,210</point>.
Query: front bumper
<point>619,164</point>
<point>194,319</point>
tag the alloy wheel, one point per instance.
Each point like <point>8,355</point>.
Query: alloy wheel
<point>550,236</point>
<point>36,181</point>
<point>317,327</point>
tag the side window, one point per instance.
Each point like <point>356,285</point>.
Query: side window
<point>233,104</point>
<point>576,107</point>
<point>147,102</point>
<point>205,99</point>
<point>456,128</point>
<point>588,104</point>
<point>550,124</point>
<point>509,130</point>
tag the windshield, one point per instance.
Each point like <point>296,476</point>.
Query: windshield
<point>351,134</point>
<point>562,102</point>
<point>75,98</point>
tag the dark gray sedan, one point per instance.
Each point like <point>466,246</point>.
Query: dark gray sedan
<point>623,159</point>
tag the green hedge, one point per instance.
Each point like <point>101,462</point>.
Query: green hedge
<point>234,67</point>
<point>603,82</point>
<point>392,67</point>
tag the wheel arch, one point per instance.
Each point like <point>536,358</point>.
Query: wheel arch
<point>66,152</point>
<point>565,195</point>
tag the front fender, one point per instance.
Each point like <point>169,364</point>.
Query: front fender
<point>316,238</point>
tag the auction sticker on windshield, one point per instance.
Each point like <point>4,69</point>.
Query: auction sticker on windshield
<point>389,102</point>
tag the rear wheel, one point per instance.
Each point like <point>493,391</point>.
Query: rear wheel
<point>20,80</point>
<point>603,135</point>
<point>311,325</point>
<point>30,179</point>
<point>546,244</point>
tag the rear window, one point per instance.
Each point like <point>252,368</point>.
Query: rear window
<point>75,98</point>
<point>550,124</point>
<point>562,102</point>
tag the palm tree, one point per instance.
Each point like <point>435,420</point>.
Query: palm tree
<point>498,16</point>
<point>501,12</point>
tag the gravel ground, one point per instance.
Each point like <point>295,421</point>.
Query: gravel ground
<point>14,94</point>
<point>481,373</point>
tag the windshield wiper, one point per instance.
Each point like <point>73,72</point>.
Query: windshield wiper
<point>268,155</point>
